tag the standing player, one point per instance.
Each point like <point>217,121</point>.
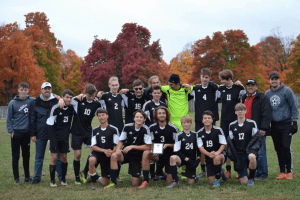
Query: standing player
<point>59,126</point>
<point>212,142</point>
<point>147,93</point>
<point>104,138</point>
<point>150,105</point>
<point>162,131</point>
<point>186,149</point>
<point>230,95</point>
<point>245,141</point>
<point>284,123</point>
<point>17,124</point>
<point>136,139</point>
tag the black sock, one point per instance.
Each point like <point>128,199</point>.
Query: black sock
<point>228,168</point>
<point>146,175</point>
<point>159,168</point>
<point>94,177</point>
<point>114,175</point>
<point>217,169</point>
<point>52,169</point>
<point>173,170</point>
<point>87,165</point>
<point>64,168</point>
<point>76,165</point>
<point>252,173</point>
<point>152,169</point>
<point>203,167</point>
<point>119,169</point>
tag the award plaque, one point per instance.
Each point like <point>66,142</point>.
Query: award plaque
<point>158,148</point>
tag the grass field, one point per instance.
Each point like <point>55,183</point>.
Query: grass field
<point>266,189</point>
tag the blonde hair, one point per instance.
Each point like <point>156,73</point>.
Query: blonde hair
<point>186,118</point>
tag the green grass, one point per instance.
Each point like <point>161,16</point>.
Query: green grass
<point>267,189</point>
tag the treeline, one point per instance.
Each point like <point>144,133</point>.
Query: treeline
<point>35,55</point>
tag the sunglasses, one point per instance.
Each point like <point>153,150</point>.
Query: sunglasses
<point>240,110</point>
<point>136,89</point>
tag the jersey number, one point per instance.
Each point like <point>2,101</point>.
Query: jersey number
<point>66,119</point>
<point>228,97</point>
<point>138,106</point>
<point>241,136</point>
<point>189,146</point>
<point>103,139</point>
<point>209,143</point>
<point>87,111</point>
<point>204,97</point>
<point>162,139</point>
<point>116,106</point>
<point>134,139</point>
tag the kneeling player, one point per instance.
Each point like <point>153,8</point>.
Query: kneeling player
<point>244,142</point>
<point>104,137</point>
<point>212,142</point>
<point>59,124</point>
<point>186,149</point>
<point>136,139</point>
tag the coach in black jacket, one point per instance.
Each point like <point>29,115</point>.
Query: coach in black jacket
<point>261,112</point>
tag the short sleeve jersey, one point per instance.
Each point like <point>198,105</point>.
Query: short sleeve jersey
<point>230,97</point>
<point>186,144</point>
<point>113,104</point>
<point>206,98</point>
<point>241,135</point>
<point>149,107</point>
<point>132,104</point>
<point>211,141</point>
<point>82,122</point>
<point>105,138</point>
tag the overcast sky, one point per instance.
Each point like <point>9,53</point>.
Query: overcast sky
<point>175,23</point>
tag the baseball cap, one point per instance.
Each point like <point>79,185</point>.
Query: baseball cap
<point>174,78</point>
<point>46,84</point>
<point>273,74</point>
<point>251,81</point>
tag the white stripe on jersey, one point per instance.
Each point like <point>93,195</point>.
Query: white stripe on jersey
<point>176,128</point>
<point>222,139</point>
<point>103,105</point>
<point>144,106</point>
<point>177,146</point>
<point>74,103</point>
<point>199,142</point>
<point>231,135</point>
<point>116,129</point>
<point>116,136</point>
<point>52,119</point>
<point>125,99</point>
<point>147,138</point>
<point>123,135</point>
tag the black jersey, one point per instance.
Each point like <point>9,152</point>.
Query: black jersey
<point>82,122</point>
<point>149,107</point>
<point>230,97</point>
<point>206,98</point>
<point>211,141</point>
<point>60,122</point>
<point>186,145</point>
<point>147,94</point>
<point>114,105</point>
<point>132,104</point>
<point>165,135</point>
<point>242,134</point>
<point>132,136</point>
<point>105,138</point>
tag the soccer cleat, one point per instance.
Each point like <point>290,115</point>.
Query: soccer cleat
<point>161,176</point>
<point>53,184</point>
<point>281,176</point>
<point>83,175</point>
<point>289,176</point>
<point>35,181</point>
<point>250,182</point>
<point>202,174</point>
<point>17,182</point>
<point>89,180</point>
<point>63,183</point>
<point>77,182</point>
<point>173,185</point>
<point>27,179</point>
<point>224,177</point>
<point>154,178</point>
<point>237,176</point>
<point>94,186</point>
<point>216,183</point>
<point>228,174</point>
<point>144,185</point>
<point>111,185</point>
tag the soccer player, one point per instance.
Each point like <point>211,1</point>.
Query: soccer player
<point>147,93</point>
<point>162,131</point>
<point>230,94</point>
<point>104,138</point>
<point>244,143</point>
<point>59,126</point>
<point>17,124</point>
<point>82,125</point>
<point>150,105</point>
<point>212,142</point>
<point>284,123</point>
<point>185,148</point>
<point>136,139</point>
<point>177,97</point>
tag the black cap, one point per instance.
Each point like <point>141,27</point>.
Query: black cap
<point>174,78</point>
<point>273,74</point>
<point>251,81</point>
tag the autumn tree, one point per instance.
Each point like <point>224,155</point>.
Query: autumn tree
<point>182,65</point>
<point>17,63</point>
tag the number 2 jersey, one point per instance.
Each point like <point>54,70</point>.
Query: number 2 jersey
<point>212,140</point>
<point>132,104</point>
<point>241,134</point>
<point>186,145</point>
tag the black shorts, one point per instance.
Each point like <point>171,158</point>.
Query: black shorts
<point>225,127</point>
<point>189,173</point>
<point>199,125</point>
<point>104,163</point>
<point>210,164</point>
<point>244,161</point>
<point>164,160</point>
<point>61,147</point>
<point>135,163</point>
<point>77,141</point>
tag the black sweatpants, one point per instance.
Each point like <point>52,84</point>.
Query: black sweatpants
<point>20,140</point>
<point>282,139</point>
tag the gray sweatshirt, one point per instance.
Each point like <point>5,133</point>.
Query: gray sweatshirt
<point>283,102</point>
<point>17,118</point>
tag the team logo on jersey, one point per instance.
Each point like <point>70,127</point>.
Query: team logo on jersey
<point>130,133</point>
<point>82,104</point>
<point>132,99</point>
<point>203,136</point>
<point>109,99</point>
<point>235,129</point>
<point>275,100</point>
<point>24,106</point>
<point>183,139</point>
<point>97,133</point>
<point>199,90</point>
<point>60,113</point>
<point>223,91</point>
<point>152,108</point>
<point>25,110</point>
<point>156,132</point>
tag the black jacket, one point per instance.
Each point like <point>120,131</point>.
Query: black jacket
<point>40,112</point>
<point>261,111</point>
<point>253,147</point>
